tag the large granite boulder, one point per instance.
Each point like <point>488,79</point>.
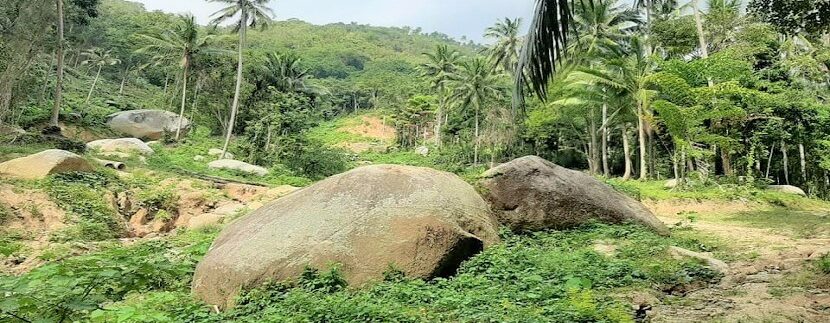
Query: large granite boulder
<point>530,194</point>
<point>45,163</point>
<point>230,164</point>
<point>422,221</point>
<point>146,124</point>
<point>123,145</point>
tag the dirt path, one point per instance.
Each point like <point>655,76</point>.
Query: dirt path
<point>769,279</point>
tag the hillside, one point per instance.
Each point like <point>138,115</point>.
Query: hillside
<point>676,168</point>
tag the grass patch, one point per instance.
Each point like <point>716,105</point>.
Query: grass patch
<point>180,158</point>
<point>333,133</point>
<point>803,224</point>
<point>10,242</point>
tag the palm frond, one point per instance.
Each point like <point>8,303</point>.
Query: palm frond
<point>543,48</point>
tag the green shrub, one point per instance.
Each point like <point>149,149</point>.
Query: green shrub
<point>81,195</point>
<point>823,264</point>
<point>6,213</point>
<point>160,199</point>
<point>10,242</point>
<point>75,288</point>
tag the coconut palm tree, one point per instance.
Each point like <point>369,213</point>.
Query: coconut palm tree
<point>603,28</point>
<point>285,73</point>
<point>98,58</point>
<point>475,85</point>
<point>439,68</point>
<point>249,13</point>
<point>505,52</point>
<point>181,44</point>
<point>627,76</point>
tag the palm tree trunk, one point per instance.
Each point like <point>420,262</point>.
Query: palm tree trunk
<point>56,109</point>
<point>438,118</point>
<point>701,37</point>
<point>184,99</point>
<point>94,82</point>
<point>475,154</point>
<point>802,154</point>
<point>235,106</point>
<point>641,128</point>
<point>627,153</point>
<point>786,162</point>
<point>595,159</point>
<point>726,159</point>
<point>769,160</point>
<point>46,80</point>
<point>124,80</point>
<point>605,169</point>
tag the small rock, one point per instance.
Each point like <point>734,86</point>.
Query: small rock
<point>199,158</point>
<point>122,145</point>
<point>244,167</point>
<point>670,184</point>
<point>422,150</point>
<point>218,153</point>
<point>711,262</point>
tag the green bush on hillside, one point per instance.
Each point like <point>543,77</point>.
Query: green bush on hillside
<point>544,277</point>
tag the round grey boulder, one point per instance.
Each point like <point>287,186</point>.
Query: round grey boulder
<point>146,124</point>
<point>422,221</point>
<point>45,163</point>
<point>533,194</point>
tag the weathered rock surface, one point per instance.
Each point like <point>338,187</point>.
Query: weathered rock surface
<point>670,184</point>
<point>45,163</point>
<point>146,124</point>
<point>236,165</point>
<point>422,150</point>
<point>788,189</point>
<point>531,194</point>
<point>424,222</point>
<point>123,145</point>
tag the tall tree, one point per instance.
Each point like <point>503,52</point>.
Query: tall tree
<point>181,43</point>
<point>56,109</point>
<point>505,51</point>
<point>250,13</point>
<point>475,86</point>
<point>98,58</point>
<point>439,68</point>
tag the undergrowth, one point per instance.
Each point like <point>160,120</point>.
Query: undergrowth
<point>82,196</point>
<point>545,277</point>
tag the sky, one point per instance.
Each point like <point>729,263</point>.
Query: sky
<point>456,18</point>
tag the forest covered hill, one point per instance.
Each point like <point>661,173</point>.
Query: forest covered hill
<point>669,162</point>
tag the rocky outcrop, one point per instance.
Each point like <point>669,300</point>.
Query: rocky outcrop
<point>230,164</point>
<point>787,189</point>
<point>123,145</point>
<point>45,163</point>
<point>146,124</point>
<point>422,221</point>
<point>530,194</point>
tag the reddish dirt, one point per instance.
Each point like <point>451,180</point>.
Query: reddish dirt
<point>373,127</point>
